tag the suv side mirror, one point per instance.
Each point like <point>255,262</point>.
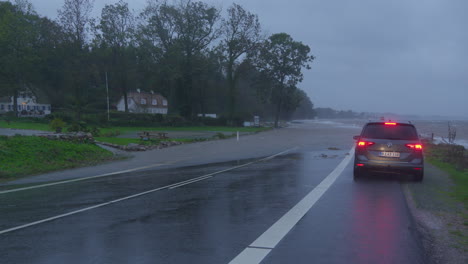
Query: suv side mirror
<point>356,137</point>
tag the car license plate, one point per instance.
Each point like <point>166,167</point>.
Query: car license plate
<point>389,154</point>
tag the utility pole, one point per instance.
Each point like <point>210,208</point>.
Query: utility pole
<point>107,91</point>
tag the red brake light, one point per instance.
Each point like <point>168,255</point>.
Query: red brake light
<point>414,146</point>
<point>365,143</point>
<point>390,124</point>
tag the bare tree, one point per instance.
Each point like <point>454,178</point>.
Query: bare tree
<point>75,19</point>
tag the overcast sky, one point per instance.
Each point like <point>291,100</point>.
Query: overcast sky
<point>399,56</point>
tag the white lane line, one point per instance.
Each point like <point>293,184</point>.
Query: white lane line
<point>191,181</point>
<point>204,177</point>
<point>260,248</point>
<point>137,195</point>
<point>86,178</point>
<point>251,255</point>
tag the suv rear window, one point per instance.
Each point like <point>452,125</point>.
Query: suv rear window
<point>398,132</point>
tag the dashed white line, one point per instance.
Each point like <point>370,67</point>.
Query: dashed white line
<point>263,245</point>
<point>171,186</point>
<point>84,178</point>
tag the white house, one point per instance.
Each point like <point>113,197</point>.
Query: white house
<point>28,105</point>
<point>142,102</point>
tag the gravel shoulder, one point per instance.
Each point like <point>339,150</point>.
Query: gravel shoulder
<point>437,216</point>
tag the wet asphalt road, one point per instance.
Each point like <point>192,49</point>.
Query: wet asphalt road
<point>213,220</point>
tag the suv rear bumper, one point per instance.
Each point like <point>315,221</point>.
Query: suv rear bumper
<point>385,166</point>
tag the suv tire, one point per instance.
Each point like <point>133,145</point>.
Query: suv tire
<point>419,176</point>
<point>357,173</point>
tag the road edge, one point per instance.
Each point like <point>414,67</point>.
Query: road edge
<point>434,229</point>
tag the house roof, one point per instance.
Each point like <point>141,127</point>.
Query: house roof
<point>149,98</point>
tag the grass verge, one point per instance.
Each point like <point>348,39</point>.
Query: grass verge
<point>439,156</point>
<point>454,164</point>
<point>45,127</point>
<point>126,141</point>
<point>25,125</point>
<point>186,129</point>
<point>25,155</point>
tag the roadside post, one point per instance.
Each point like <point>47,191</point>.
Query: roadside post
<point>237,135</point>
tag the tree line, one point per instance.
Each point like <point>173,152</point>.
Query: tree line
<point>202,61</point>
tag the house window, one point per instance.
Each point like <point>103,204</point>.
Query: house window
<point>43,108</point>
<point>155,102</point>
<point>143,101</point>
<point>2,107</point>
<point>9,107</point>
<point>27,108</point>
<point>165,102</point>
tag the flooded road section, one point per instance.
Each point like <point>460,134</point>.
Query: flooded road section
<point>168,218</point>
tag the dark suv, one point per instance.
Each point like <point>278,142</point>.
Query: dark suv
<point>389,147</point>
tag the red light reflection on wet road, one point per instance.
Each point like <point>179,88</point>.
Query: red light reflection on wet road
<point>374,226</point>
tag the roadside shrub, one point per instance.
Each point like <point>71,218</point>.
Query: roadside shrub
<point>135,119</point>
<point>112,134</point>
<point>450,153</point>
<point>65,116</point>
<point>57,125</point>
<point>220,135</point>
<point>95,131</point>
<point>176,121</point>
<point>209,121</point>
<point>78,127</point>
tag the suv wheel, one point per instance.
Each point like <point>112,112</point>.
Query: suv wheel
<point>357,173</point>
<point>419,176</point>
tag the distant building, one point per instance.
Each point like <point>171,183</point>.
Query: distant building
<point>143,102</point>
<point>28,105</point>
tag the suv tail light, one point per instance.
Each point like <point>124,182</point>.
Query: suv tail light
<point>390,124</point>
<point>414,146</point>
<point>365,143</point>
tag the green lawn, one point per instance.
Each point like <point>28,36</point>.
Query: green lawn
<point>25,125</point>
<point>455,166</point>
<point>45,127</point>
<point>24,155</point>
<point>123,141</point>
<point>460,178</point>
<point>126,141</point>
<point>193,128</point>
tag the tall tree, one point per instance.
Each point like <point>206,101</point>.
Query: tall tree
<point>241,34</point>
<point>186,28</point>
<point>75,18</point>
<point>116,32</point>
<point>18,39</point>
<point>282,60</point>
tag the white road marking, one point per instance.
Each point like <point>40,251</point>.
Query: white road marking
<point>171,186</point>
<point>85,178</point>
<point>251,255</point>
<point>271,237</point>
<point>204,177</point>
